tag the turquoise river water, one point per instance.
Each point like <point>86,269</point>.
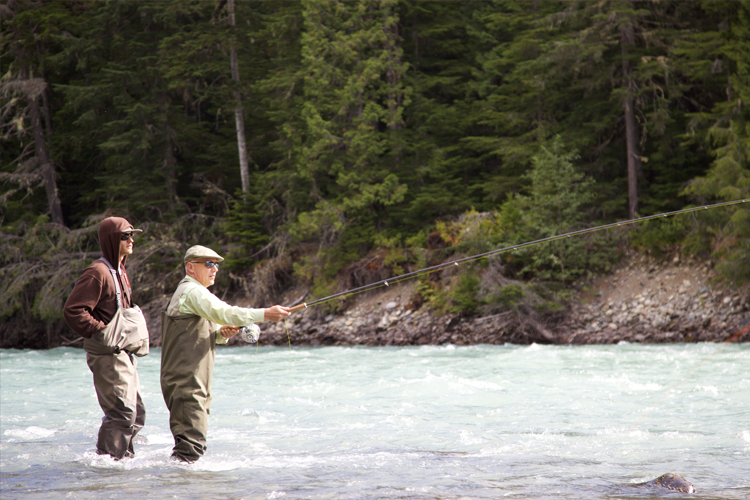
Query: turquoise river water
<point>430,422</point>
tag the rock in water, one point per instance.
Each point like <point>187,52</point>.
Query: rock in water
<point>671,481</point>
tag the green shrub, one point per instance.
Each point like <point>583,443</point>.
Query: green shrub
<point>464,297</point>
<point>508,296</point>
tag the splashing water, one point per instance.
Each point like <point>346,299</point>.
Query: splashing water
<point>408,422</point>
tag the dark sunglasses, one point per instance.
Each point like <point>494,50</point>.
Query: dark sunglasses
<point>209,264</point>
<point>125,236</point>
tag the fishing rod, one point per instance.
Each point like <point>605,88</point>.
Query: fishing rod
<point>454,263</point>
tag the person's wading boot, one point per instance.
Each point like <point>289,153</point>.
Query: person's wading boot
<point>128,454</point>
<point>180,458</point>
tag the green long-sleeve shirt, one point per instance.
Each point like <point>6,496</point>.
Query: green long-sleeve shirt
<point>198,300</point>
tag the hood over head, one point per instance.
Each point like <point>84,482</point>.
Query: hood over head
<point>110,230</point>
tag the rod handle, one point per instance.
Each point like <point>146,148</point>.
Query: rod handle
<point>297,308</point>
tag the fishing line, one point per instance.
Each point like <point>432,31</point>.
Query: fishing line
<point>455,263</point>
<point>288,338</point>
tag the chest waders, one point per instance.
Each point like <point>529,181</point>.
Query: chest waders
<point>118,391</point>
<point>187,363</point>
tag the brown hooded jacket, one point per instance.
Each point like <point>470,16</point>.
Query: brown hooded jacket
<point>93,302</point>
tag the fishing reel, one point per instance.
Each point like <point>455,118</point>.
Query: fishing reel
<point>250,333</point>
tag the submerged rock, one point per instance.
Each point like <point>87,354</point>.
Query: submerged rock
<point>671,481</point>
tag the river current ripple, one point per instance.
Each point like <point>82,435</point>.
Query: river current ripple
<point>430,422</point>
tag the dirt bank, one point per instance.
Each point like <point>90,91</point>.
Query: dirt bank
<point>643,300</point>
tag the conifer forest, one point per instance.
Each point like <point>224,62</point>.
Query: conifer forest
<point>326,144</point>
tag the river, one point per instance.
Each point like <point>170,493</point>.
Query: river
<point>429,422</point>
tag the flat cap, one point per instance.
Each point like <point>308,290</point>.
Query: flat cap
<point>199,252</point>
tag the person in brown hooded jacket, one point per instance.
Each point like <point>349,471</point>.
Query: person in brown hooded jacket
<point>88,310</point>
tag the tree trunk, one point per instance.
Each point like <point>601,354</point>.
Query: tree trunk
<point>47,168</point>
<point>627,39</point>
<point>238,117</point>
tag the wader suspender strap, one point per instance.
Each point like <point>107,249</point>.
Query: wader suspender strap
<point>117,284</point>
<point>116,350</point>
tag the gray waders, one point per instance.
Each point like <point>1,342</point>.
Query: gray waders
<point>187,364</point>
<point>116,381</point>
<point>118,390</point>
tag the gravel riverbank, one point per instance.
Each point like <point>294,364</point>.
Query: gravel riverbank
<point>641,301</point>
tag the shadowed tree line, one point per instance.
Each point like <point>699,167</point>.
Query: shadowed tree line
<point>325,144</point>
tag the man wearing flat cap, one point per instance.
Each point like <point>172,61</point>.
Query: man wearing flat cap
<point>193,323</point>
<point>101,290</point>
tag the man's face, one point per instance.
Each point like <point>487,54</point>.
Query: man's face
<point>205,275</point>
<point>126,246</point>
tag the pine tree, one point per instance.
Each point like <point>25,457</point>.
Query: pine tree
<point>121,110</point>
<point>517,99</point>
<point>443,177</point>
<point>25,41</point>
<point>729,176</point>
<point>353,102</point>
<point>576,69</point>
<point>558,191</point>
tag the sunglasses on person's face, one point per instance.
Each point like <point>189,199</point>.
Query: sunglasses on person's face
<point>209,264</point>
<point>126,236</point>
